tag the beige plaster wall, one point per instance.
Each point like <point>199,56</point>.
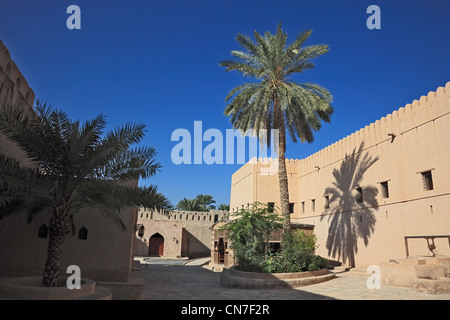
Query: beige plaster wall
<point>258,181</point>
<point>373,231</point>
<point>188,232</point>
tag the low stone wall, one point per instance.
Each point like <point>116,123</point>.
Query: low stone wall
<point>232,278</point>
<point>28,288</point>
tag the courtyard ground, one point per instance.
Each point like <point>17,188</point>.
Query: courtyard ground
<point>171,280</point>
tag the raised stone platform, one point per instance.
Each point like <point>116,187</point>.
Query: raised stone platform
<point>28,288</point>
<point>424,274</point>
<point>232,278</point>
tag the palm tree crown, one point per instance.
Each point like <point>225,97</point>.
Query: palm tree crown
<point>273,100</point>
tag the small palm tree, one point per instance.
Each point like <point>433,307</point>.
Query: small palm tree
<point>189,205</point>
<point>273,101</point>
<point>73,167</point>
<point>206,201</point>
<point>224,207</point>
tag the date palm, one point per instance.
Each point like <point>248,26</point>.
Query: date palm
<point>189,205</point>
<point>224,207</point>
<point>206,201</point>
<point>73,166</point>
<point>273,101</point>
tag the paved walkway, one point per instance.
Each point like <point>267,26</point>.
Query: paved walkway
<point>191,281</point>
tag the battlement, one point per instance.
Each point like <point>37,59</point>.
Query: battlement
<point>14,87</point>
<point>428,108</point>
<point>182,216</point>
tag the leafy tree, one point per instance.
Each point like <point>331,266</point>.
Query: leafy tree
<point>249,232</point>
<point>273,101</point>
<point>73,166</point>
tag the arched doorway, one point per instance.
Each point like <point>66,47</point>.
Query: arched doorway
<point>156,245</point>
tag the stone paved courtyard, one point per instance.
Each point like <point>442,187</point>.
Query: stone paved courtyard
<point>194,282</point>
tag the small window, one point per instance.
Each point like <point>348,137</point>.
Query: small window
<point>327,202</point>
<point>82,233</point>
<point>291,208</point>
<point>359,195</point>
<point>303,206</point>
<point>427,180</point>
<point>384,189</point>
<point>216,218</point>
<point>43,231</point>
<point>141,231</point>
<point>271,206</point>
<point>313,205</point>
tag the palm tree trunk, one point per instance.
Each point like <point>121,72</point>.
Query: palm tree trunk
<point>59,227</point>
<point>283,181</point>
<point>282,172</point>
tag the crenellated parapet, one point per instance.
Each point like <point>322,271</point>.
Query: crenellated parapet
<point>14,88</point>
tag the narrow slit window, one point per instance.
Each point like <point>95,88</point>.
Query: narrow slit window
<point>427,180</point>
<point>82,233</point>
<point>384,189</point>
<point>43,231</point>
<point>303,207</point>
<point>359,195</point>
<point>271,206</point>
<point>327,202</point>
<point>291,208</point>
<point>313,205</point>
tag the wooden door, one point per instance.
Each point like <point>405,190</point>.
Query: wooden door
<point>156,245</point>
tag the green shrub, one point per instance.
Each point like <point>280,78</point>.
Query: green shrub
<point>297,255</point>
<point>249,233</point>
<point>317,263</point>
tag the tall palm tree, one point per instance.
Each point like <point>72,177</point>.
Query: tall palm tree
<point>73,166</point>
<point>273,101</point>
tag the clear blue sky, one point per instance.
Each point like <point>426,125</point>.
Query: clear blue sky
<point>157,62</point>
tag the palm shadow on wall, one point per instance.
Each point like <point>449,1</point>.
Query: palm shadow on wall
<point>351,215</point>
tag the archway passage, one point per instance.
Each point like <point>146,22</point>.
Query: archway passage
<point>156,245</point>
